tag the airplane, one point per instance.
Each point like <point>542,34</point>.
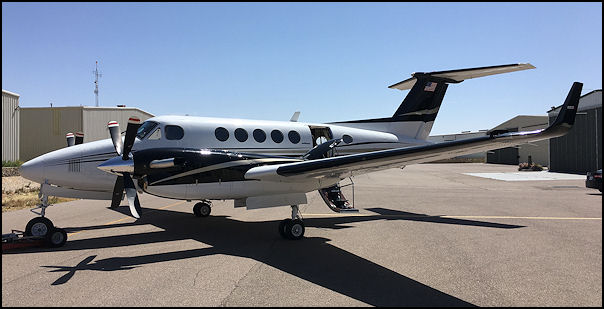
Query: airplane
<point>201,158</point>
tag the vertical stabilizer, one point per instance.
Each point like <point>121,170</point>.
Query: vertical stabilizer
<point>416,114</point>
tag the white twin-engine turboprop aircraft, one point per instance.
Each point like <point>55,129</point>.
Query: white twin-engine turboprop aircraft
<point>263,163</point>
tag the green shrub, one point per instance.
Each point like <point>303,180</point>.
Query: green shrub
<point>11,163</point>
<point>533,167</point>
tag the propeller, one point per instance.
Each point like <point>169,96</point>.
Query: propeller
<point>70,139</point>
<point>79,138</point>
<point>123,165</point>
<point>114,132</point>
<point>321,150</point>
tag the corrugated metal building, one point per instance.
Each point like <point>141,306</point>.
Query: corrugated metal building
<point>10,126</point>
<point>45,127</point>
<point>515,155</point>
<point>580,150</point>
<point>479,156</point>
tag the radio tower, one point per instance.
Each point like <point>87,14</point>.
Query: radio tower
<point>96,83</point>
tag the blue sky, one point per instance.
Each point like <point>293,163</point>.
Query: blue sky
<point>331,61</point>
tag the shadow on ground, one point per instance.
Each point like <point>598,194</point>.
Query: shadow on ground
<point>311,259</point>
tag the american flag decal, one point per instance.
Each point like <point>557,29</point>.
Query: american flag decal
<point>430,86</point>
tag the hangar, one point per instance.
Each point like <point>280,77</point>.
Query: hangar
<point>579,151</point>
<point>45,127</point>
<point>538,151</point>
<point>10,126</point>
<point>475,157</point>
<point>515,155</point>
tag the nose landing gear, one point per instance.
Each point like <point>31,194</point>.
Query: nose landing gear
<point>41,227</point>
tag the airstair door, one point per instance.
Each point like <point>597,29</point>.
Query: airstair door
<point>321,135</point>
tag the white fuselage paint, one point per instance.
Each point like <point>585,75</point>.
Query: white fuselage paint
<point>75,167</point>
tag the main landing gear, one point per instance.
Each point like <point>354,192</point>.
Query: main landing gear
<point>42,227</point>
<point>202,209</point>
<point>292,228</point>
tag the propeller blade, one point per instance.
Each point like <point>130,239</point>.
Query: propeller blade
<point>70,139</point>
<point>79,138</point>
<point>320,150</point>
<point>114,132</point>
<point>118,190</point>
<point>135,206</point>
<point>133,124</point>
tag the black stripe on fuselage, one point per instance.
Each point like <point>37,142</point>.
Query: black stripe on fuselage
<point>424,118</point>
<point>214,165</point>
<point>224,174</point>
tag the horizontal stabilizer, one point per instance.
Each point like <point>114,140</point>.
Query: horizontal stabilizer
<point>458,76</point>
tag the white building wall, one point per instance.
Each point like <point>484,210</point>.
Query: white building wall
<point>95,120</point>
<point>458,137</point>
<point>10,126</point>
<point>43,129</point>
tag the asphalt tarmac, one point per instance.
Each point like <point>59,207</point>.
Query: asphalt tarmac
<point>428,235</point>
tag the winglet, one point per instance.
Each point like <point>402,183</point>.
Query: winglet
<point>568,110</point>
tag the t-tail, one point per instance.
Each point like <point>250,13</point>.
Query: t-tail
<point>416,114</point>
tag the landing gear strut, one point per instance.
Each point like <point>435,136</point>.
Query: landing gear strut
<point>292,228</point>
<point>42,227</point>
<point>202,209</point>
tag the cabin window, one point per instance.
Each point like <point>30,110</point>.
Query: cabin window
<point>277,136</point>
<point>259,135</point>
<point>294,137</point>
<point>221,134</point>
<point>241,134</point>
<point>145,128</point>
<point>174,132</point>
<point>347,138</point>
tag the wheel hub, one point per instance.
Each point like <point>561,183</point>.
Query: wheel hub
<point>296,230</point>
<point>56,238</point>
<point>39,229</point>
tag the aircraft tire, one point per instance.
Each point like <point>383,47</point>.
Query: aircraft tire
<point>283,228</point>
<point>295,229</point>
<point>202,209</point>
<point>38,226</point>
<point>56,238</point>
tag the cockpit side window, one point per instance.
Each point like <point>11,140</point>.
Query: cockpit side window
<point>145,128</point>
<point>155,135</point>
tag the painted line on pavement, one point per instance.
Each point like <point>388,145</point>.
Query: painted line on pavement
<point>459,217</point>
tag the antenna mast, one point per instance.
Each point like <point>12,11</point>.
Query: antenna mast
<point>96,82</point>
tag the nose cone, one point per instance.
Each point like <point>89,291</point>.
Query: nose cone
<point>33,170</point>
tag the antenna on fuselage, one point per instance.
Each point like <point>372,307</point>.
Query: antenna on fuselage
<point>295,117</point>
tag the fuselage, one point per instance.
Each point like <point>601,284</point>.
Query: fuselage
<point>74,168</point>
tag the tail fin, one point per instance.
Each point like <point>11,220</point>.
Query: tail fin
<point>423,101</point>
<point>416,114</point>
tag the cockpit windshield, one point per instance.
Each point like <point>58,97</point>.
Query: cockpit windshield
<point>145,128</point>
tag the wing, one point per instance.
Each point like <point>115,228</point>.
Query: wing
<point>356,164</point>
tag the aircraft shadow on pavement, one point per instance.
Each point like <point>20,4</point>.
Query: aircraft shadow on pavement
<point>311,259</point>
